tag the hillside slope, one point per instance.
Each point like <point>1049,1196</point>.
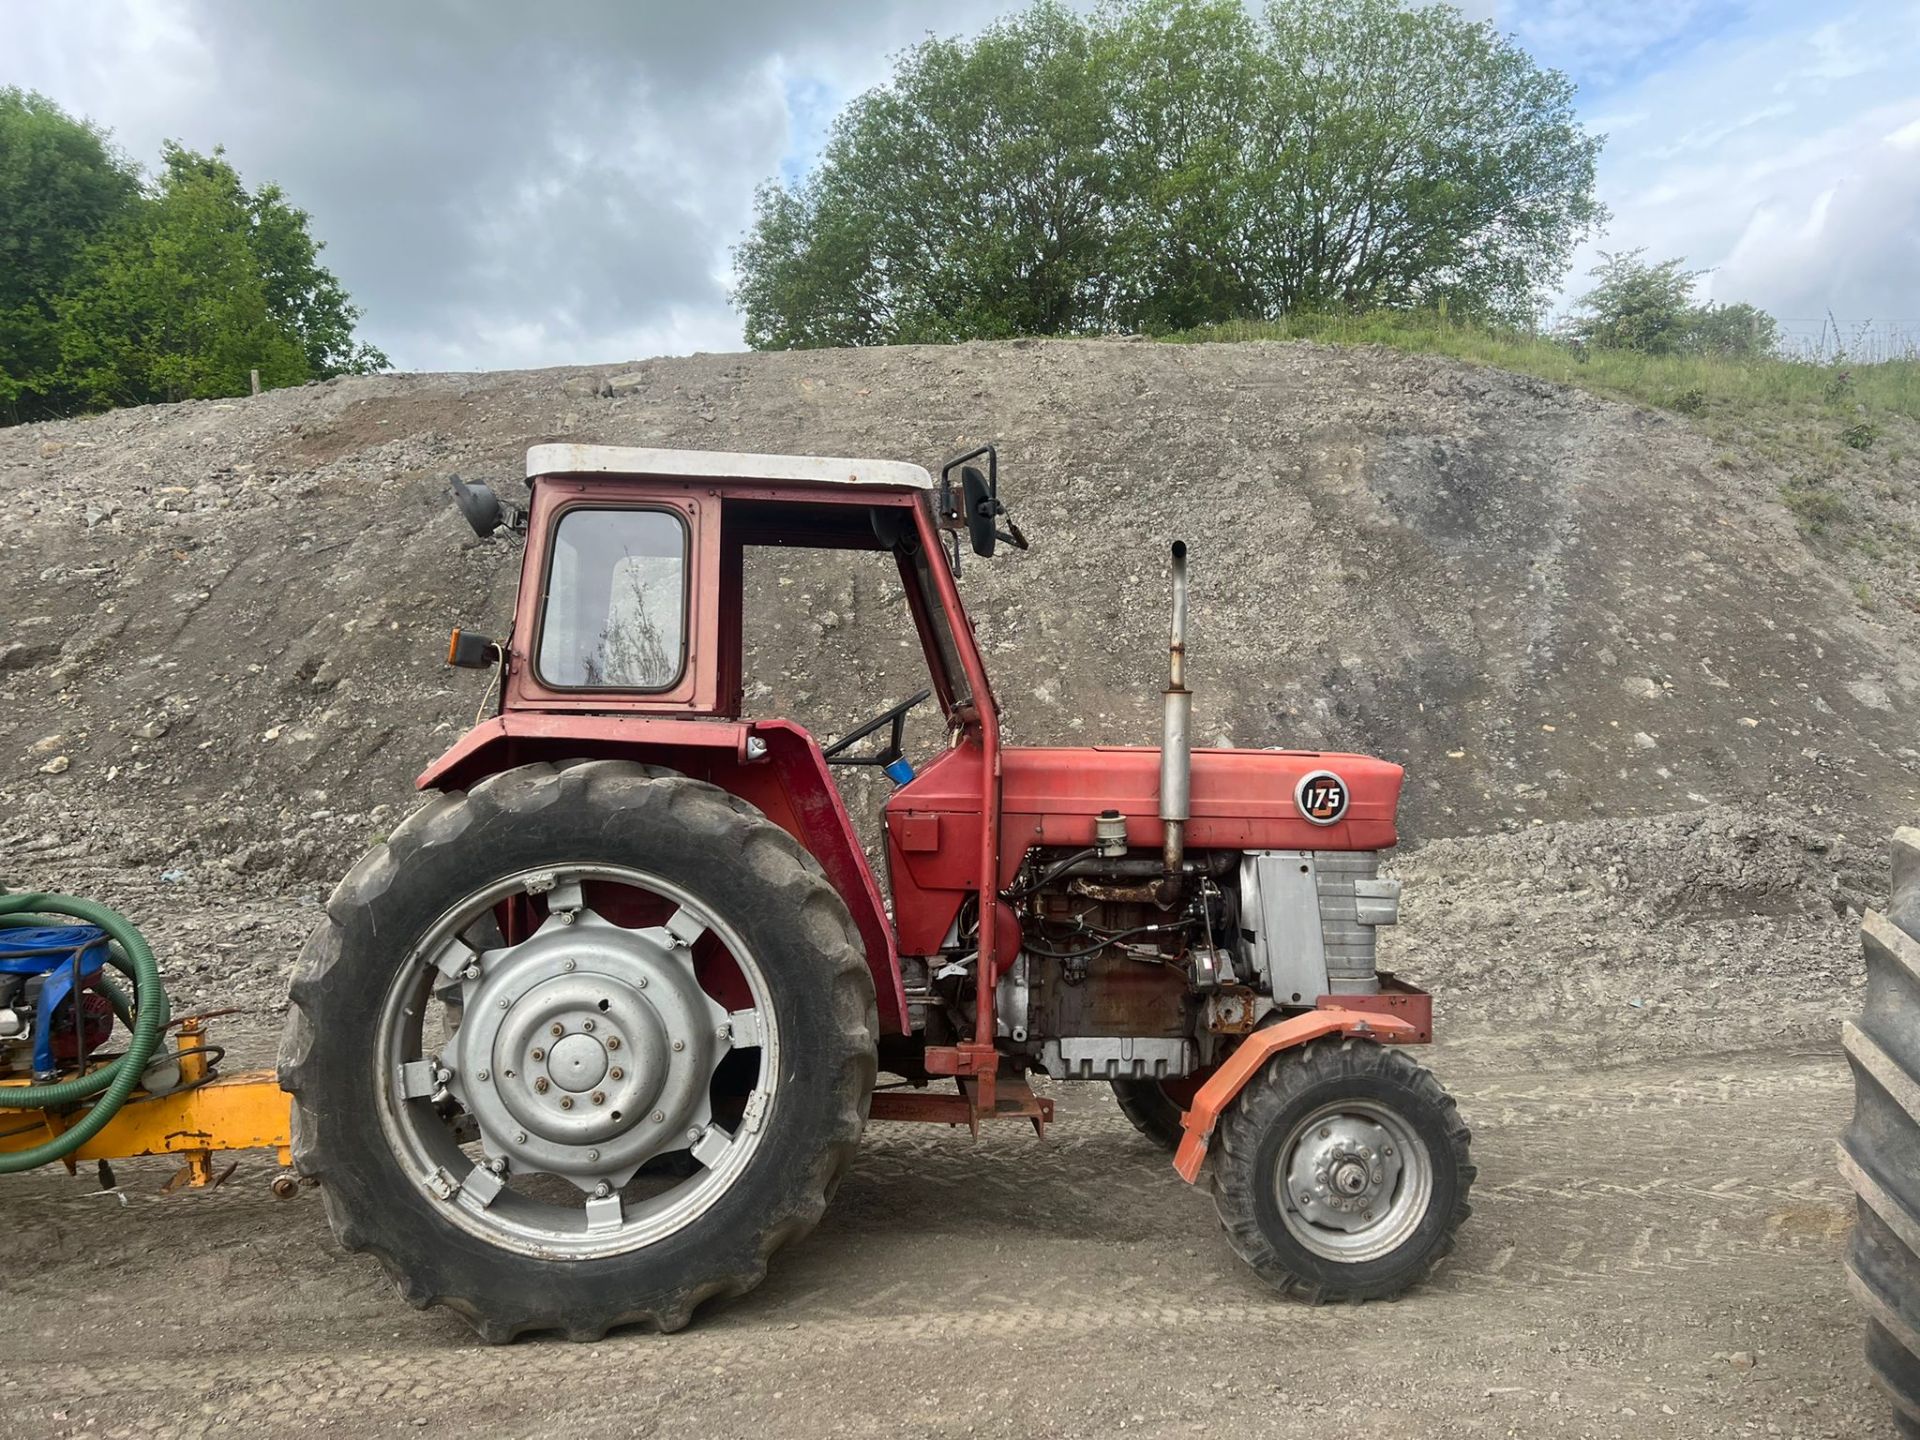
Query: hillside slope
<point>227,618</point>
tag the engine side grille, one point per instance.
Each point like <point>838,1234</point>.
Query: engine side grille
<point>1349,944</point>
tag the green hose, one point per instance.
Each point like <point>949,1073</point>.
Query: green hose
<point>117,1078</point>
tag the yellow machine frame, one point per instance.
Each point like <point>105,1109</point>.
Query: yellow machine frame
<point>202,1118</point>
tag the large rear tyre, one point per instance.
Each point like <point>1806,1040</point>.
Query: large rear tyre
<point>1341,1171</point>
<point>1880,1153</point>
<point>580,1048</point>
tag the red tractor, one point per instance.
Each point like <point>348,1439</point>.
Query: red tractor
<point>596,1030</point>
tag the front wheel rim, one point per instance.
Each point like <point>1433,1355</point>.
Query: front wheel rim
<point>627,1042</point>
<point>1354,1181</point>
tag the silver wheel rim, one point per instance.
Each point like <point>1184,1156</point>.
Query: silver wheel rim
<point>526,1088</point>
<point>1354,1181</point>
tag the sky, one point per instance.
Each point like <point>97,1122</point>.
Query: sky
<point>503,185</point>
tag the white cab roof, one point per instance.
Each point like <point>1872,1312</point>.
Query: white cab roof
<point>721,465</point>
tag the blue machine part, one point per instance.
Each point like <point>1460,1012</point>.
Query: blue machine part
<point>50,951</point>
<point>900,771</point>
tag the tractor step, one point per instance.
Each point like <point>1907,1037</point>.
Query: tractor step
<point>1009,1098</point>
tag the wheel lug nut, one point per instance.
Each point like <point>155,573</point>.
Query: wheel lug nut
<point>567,966</point>
<point>566,1102</point>
<point>556,1029</point>
<point>641,982</point>
<point>602,1190</point>
<point>613,1042</point>
<point>587,1025</point>
<point>519,1137</point>
<point>658,1116</point>
<point>594,1155</point>
<point>599,1097</point>
<point>540,1084</point>
<point>483,1075</point>
<point>617,1073</point>
<point>538,1053</point>
<point>1325,1133</point>
<point>679,1045</point>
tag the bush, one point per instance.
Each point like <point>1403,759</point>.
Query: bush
<point>1649,308</point>
<point>1817,508</point>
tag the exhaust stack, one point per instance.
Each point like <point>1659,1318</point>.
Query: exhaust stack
<point>1176,741</point>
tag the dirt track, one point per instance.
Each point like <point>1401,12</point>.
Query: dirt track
<point>1655,1251</point>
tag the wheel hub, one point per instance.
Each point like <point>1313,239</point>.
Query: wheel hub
<point>579,1062</point>
<point>586,1049</point>
<point>1342,1172</point>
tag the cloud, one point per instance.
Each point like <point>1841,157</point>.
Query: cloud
<point>500,186</point>
<point>1851,246</point>
<point>1600,41</point>
<point>495,185</point>
<point>1773,155</point>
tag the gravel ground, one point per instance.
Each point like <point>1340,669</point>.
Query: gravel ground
<point>1654,1252</point>
<point>1653,747</point>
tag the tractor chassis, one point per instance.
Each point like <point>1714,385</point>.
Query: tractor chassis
<point>212,1115</point>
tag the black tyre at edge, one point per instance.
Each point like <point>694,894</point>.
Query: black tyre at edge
<point>1880,1152</point>
<point>1153,1112</point>
<point>1256,1125</point>
<point>712,844</point>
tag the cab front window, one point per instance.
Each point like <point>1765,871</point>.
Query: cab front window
<point>615,608</point>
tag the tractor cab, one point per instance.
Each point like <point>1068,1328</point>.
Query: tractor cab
<point>630,596</point>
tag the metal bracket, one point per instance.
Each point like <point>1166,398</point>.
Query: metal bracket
<point>418,1079</point>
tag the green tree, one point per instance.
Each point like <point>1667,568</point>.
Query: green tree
<point>1162,163</point>
<point>1637,306</point>
<point>1182,85</point>
<point>116,290</point>
<point>1650,308</point>
<point>964,200</point>
<point>173,304</point>
<point>62,184</point>
<point>1739,331</point>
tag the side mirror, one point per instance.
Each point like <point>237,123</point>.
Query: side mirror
<point>978,507</point>
<point>483,509</point>
<point>977,499</point>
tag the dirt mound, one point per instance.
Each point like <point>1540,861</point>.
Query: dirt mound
<point>221,624</point>
<point>1711,931</point>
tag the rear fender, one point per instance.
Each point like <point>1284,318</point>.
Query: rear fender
<point>1254,1052</point>
<point>774,765</point>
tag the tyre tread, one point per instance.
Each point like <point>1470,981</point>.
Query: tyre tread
<point>1878,1154</point>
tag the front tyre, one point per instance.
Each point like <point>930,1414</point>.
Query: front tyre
<point>1341,1171</point>
<point>580,1048</point>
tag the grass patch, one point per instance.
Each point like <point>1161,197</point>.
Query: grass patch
<point>1817,508</point>
<point>1689,384</point>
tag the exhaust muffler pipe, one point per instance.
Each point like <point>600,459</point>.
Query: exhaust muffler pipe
<point>1176,739</point>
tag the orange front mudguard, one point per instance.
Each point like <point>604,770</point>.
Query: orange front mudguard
<point>1254,1052</point>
